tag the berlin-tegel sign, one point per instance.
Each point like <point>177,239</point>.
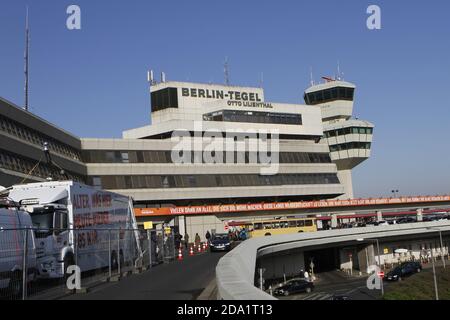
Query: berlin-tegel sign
<point>231,208</point>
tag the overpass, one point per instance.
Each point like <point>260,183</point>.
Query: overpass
<point>235,272</point>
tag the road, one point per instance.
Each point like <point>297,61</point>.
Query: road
<point>178,280</point>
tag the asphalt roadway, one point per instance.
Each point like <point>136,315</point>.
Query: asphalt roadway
<point>178,280</point>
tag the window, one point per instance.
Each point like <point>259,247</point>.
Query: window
<point>97,182</point>
<point>308,223</point>
<point>125,157</point>
<point>254,117</point>
<point>163,99</point>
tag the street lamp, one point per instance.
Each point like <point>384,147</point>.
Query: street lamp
<point>442,245</point>
<point>394,192</point>
<point>379,258</point>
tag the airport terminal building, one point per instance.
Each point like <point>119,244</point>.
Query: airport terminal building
<point>207,144</point>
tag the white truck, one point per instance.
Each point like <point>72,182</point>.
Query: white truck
<point>78,224</point>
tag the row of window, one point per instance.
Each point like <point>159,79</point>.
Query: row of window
<point>165,98</point>
<point>24,165</point>
<point>350,130</point>
<point>97,156</point>
<point>350,145</point>
<point>254,117</point>
<point>205,181</point>
<point>16,129</point>
<point>337,93</point>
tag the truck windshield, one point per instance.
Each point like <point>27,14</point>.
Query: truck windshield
<point>43,222</point>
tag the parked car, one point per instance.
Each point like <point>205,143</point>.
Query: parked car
<point>403,271</point>
<point>406,220</point>
<point>220,242</point>
<point>294,286</point>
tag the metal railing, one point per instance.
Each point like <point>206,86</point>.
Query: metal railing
<point>36,263</point>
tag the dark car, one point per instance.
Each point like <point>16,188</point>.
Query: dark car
<point>220,242</point>
<point>403,271</point>
<point>406,220</point>
<point>294,286</point>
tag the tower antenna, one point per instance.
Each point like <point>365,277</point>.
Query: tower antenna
<point>261,80</point>
<point>27,48</point>
<point>311,76</point>
<point>338,71</point>
<point>226,72</point>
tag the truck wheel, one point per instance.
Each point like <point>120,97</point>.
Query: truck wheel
<point>267,234</point>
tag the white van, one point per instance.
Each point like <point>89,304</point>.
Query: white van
<point>13,224</point>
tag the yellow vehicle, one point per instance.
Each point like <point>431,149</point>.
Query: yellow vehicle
<point>281,226</point>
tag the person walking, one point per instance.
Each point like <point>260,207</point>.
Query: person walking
<point>197,240</point>
<point>207,236</point>
<point>306,275</point>
<point>186,240</point>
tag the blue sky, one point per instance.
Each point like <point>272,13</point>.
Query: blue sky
<point>92,82</point>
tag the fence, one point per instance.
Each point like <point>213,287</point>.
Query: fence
<point>39,264</point>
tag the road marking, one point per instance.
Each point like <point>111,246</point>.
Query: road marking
<point>326,297</point>
<point>314,296</point>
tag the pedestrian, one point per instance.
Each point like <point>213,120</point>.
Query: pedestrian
<point>197,240</point>
<point>186,240</point>
<point>302,274</point>
<point>177,239</point>
<point>207,236</point>
<point>306,275</point>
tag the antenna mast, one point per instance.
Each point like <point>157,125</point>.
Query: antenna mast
<point>27,47</point>
<point>311,76</point>
<point>338,70</point>
<point>226,72</point>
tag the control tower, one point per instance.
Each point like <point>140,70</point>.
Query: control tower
<point>349,139</point>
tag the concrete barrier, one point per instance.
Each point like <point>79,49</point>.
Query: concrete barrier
<point>235,272</point>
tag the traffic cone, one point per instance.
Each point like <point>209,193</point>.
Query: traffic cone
<point>199,248</point>
<point>204,247</point>
<point>180,254</point>
<point>191,251</point>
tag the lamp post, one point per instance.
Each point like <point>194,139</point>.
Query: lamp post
<point>379,259</point>
<point>442,244</point>
<point>395,192</point>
